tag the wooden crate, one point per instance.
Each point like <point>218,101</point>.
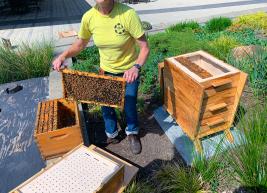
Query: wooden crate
<point>202,93</point>
<point>88,88</point>
<point>57,127</point>
<point>83,169</point>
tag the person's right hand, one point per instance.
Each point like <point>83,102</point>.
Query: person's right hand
<point>58,62</point>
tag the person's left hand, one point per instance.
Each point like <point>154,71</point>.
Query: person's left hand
<point>131,75</point>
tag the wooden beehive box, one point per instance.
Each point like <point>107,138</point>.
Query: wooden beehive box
<point>57,127</point>
<point>202,93</point>
<point>82,170</point>
<point>92,88</point>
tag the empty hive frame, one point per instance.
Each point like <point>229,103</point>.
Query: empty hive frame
<point>57,127</point>
<point>82,170</point>
<point>202,93</point>
<point>92,88</point>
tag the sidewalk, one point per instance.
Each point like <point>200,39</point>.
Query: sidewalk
<point>160,13</point>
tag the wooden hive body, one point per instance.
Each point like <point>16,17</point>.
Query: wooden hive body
<point>201,92</point>
<point>57,127</point>
<point>88,88</point>
<point>81,170</point>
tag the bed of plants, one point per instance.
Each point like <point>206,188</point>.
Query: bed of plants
<point>218,36</point>
<point>25,61</point>
<point>242,168</point>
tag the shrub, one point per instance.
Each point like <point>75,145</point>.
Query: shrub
<point>173,178</point>
<point>218,24</point>
<point>146,25</point>
<point>137,187</point>
<point>25,62</point>
<point>88,60</point>
<point>184,26</point>
<point>164,45</point>
<point>248,162</point>
<point>256,21</point>
<point>256,67</point>
<point>222,46</point>
<point>209,168</point>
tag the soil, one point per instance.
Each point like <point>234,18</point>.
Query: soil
<point>193,67</point>
<point>66,116</point>
<point>93,89</point>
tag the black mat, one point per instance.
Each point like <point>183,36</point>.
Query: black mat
<point>19,155</point>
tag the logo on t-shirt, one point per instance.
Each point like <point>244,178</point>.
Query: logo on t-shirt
<point>119,29</point>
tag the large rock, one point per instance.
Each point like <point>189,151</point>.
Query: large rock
<point>244,51</point>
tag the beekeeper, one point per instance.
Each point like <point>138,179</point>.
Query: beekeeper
<point>116,30</point>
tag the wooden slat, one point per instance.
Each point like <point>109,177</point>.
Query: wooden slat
<point>216,122</point>
<point>223,111</point>
<point>217,107</point>
<point>221,83</point>
<point>206,131</point>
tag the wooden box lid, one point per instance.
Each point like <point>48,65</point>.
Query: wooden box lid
<point>202,66</point>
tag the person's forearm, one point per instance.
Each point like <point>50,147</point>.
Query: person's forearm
<point>143,54</point>
<point>75,49</point>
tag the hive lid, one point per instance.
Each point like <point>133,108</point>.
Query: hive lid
<point>93,88</point>
<point>82,170</point>
<point>202,66</point>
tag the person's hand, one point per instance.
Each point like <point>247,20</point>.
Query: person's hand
<point>58,62</point>
<point>131,75</point>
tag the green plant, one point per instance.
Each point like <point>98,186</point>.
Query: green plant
<point>248,161</point>
<point>173,178</point>
<point>256,67</point>
<point>138,187</point>
<point>88,60</point>
<point>222,46</point>
<point>24,62</point>
<point>218,24</point>
<point>255,21</point>
<point>146,25</point>
<point>184,26</point>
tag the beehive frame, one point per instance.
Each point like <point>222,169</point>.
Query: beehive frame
<point>60,175</point>
<point>201,106</point>
<point>92,75</point>
<point>52,140</point>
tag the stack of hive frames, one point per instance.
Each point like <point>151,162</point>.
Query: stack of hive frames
<point>57,128</point>
<point>88,88</point>
<point>202,93</point>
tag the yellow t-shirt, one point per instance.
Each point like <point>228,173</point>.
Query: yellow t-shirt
<point>114,35</point>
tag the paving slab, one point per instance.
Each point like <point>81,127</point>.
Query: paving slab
<point>182,142</point>
<point>19,155</point>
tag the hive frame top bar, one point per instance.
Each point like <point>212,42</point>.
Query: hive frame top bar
<point>68,71</point>
<point>231,69</point>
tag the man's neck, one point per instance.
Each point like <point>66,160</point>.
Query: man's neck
<point>106,9</point>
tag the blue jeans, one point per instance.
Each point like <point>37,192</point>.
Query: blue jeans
<point>130,109</point>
